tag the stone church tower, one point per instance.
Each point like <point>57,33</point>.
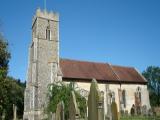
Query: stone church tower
<point>43,63</point>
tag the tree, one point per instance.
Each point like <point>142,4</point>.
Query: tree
<point>11,90</point>
<point>4,57</point>
<point>14,94</point>
<point>152,74</point>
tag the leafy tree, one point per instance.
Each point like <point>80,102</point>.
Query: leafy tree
<point>61,92</point>
<point>11,90</point>
<point>11,93</point>
<point>4,57</point>
<point>152,74</point>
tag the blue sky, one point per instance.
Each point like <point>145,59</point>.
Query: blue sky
<point>121,32</point>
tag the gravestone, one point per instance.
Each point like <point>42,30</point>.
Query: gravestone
<point>144,110</point>
<point>108,102</point>
<point>60,111</point>
<point>14,112</point>
<point>114,110</point>
<point>74,113</point>
<point>132,111</point>
<point>101,106</point>
<point>95,103</point>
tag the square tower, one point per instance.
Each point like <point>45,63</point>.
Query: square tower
<point>43,63</point>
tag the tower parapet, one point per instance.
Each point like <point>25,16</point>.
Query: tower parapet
<point>46,15</point>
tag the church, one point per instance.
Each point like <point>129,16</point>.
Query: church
<point>45,66</point>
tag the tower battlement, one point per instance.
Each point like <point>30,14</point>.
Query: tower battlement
<point>46,15</point>
<point>41,73</point>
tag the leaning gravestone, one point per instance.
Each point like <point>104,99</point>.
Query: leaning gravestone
<point>95,103</point>
<point>74,113</point>
<point>60,111</point>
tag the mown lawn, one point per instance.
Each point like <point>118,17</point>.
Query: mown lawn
<point>139,118</point>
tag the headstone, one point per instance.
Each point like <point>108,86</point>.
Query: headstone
<point>14,112</point>
<point>132,111</point>
<point>150,112</point>
<point>144,110</point>
<point>74,113</point>
<point>95,103</point>
<point>108,102</point>
<point>114,110</point>
<point>138,102</point>
<point>59,111</point>
<point>101,106</point>
<point>53,116</point>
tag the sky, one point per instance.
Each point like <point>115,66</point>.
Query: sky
<point>119,32</point>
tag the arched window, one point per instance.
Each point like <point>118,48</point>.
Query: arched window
<point>124,98</point>
<point>139,93</point>
<point>48,33</point>
<point>138,96</point>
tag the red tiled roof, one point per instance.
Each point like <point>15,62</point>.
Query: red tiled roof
<point>74,70</point>
<point>128,74</point>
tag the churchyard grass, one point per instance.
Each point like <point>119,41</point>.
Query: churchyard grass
<point>140,118</point>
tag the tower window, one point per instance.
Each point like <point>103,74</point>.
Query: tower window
<point>48,34</point>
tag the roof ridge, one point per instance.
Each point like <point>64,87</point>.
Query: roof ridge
<point>83,61</point>
<point>123,66</point>
<point>96,62</point>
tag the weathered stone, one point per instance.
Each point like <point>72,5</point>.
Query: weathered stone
<point>132,111</point>
<point>95,103</point>
<point>144,110</point>
<point>114,110</point>
<point>74,113</point>
<point>43,63</point>
<point>14,112</point>
<point>101,106</point>
<point>108,102</point>
<point>60,111</point>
